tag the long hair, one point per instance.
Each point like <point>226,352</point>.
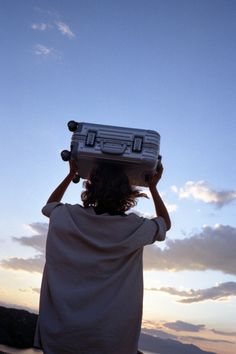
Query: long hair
<point>108,190</point>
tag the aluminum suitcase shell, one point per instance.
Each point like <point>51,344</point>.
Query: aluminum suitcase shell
<point>137,150</point>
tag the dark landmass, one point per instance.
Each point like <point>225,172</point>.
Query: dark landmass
<point>17,329</point>
<point>168,346</point>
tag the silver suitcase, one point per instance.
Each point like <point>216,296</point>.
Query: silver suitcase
<point>137,150</point>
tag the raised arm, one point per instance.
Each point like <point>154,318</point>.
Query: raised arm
<point>158,202</point>
<point>58,193</point>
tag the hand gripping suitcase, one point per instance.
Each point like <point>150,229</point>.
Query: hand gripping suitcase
<point>137,150</point>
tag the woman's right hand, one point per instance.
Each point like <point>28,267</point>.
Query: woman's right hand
<point>156,177</point>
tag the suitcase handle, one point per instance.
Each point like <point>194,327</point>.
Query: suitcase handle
<point>114,149</point>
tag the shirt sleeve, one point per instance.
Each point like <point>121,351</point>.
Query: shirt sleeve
<point>49,207</point>
<point>149,231</point>
<point>154,230</point>
<point>161,232</point>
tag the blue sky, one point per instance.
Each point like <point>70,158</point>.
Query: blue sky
<point>163,65</point>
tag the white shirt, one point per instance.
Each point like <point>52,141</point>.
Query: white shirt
<point>92,288</point>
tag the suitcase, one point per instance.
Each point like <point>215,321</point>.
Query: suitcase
<point>137,150</point>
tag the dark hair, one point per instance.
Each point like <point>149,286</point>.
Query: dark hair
<point>108,190</point>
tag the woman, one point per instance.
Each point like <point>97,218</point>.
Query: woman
<point>92,288</point>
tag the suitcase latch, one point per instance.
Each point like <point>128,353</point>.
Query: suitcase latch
<point>137,144</point>
<point>90,139</point>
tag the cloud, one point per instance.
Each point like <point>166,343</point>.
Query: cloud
<point>158,330</point>
<point>211,249</point>
<point>41,26</point>
<point>155,329</point>
<point>205,339</point>
<point>220,292</point>
<point>224,333</point>
<point>62,27</point>
<point>23,290</point>
<point>36,290</point>
<point>40,49</point>
<point>65,29</point>
<point>158,333</point>
<point>181,326</point>
<point>30,290</point>
<point>171,207</point>
<point>32,265</point>
<point>200,190</point>
<point>37,242</point>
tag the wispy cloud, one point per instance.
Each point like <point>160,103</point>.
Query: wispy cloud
<point>181,326</point>
<point>171,207</point>
<point>29,290</point>
<point>204,339</point>
<point>213,248</point>
<point>184,326</point>
<point>37,241</point>
<point>40,49</point>
<point>220,292</point>
<point>158,330</point>
<point>36,290</point>
<point>200,190</point>
<point>32,265</point>
<point>64,29</point>
<point>224,333</point>
<point>41,26</point>
<point>158,333</point>
<point>50,21</point>
<point>60,26</point>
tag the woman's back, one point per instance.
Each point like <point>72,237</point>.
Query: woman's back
<point>92,287</point>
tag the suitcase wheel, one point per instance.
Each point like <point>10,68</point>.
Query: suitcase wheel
<point>72,125</point>
<point>76,178</point>
<point>66,155</point>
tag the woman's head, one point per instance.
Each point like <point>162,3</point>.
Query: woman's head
<point>108,190</point>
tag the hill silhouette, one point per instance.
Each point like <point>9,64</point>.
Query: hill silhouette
<point>168,346</point>
<point>17,327</point>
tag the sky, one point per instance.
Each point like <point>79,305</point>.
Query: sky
<point>164,65</point>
